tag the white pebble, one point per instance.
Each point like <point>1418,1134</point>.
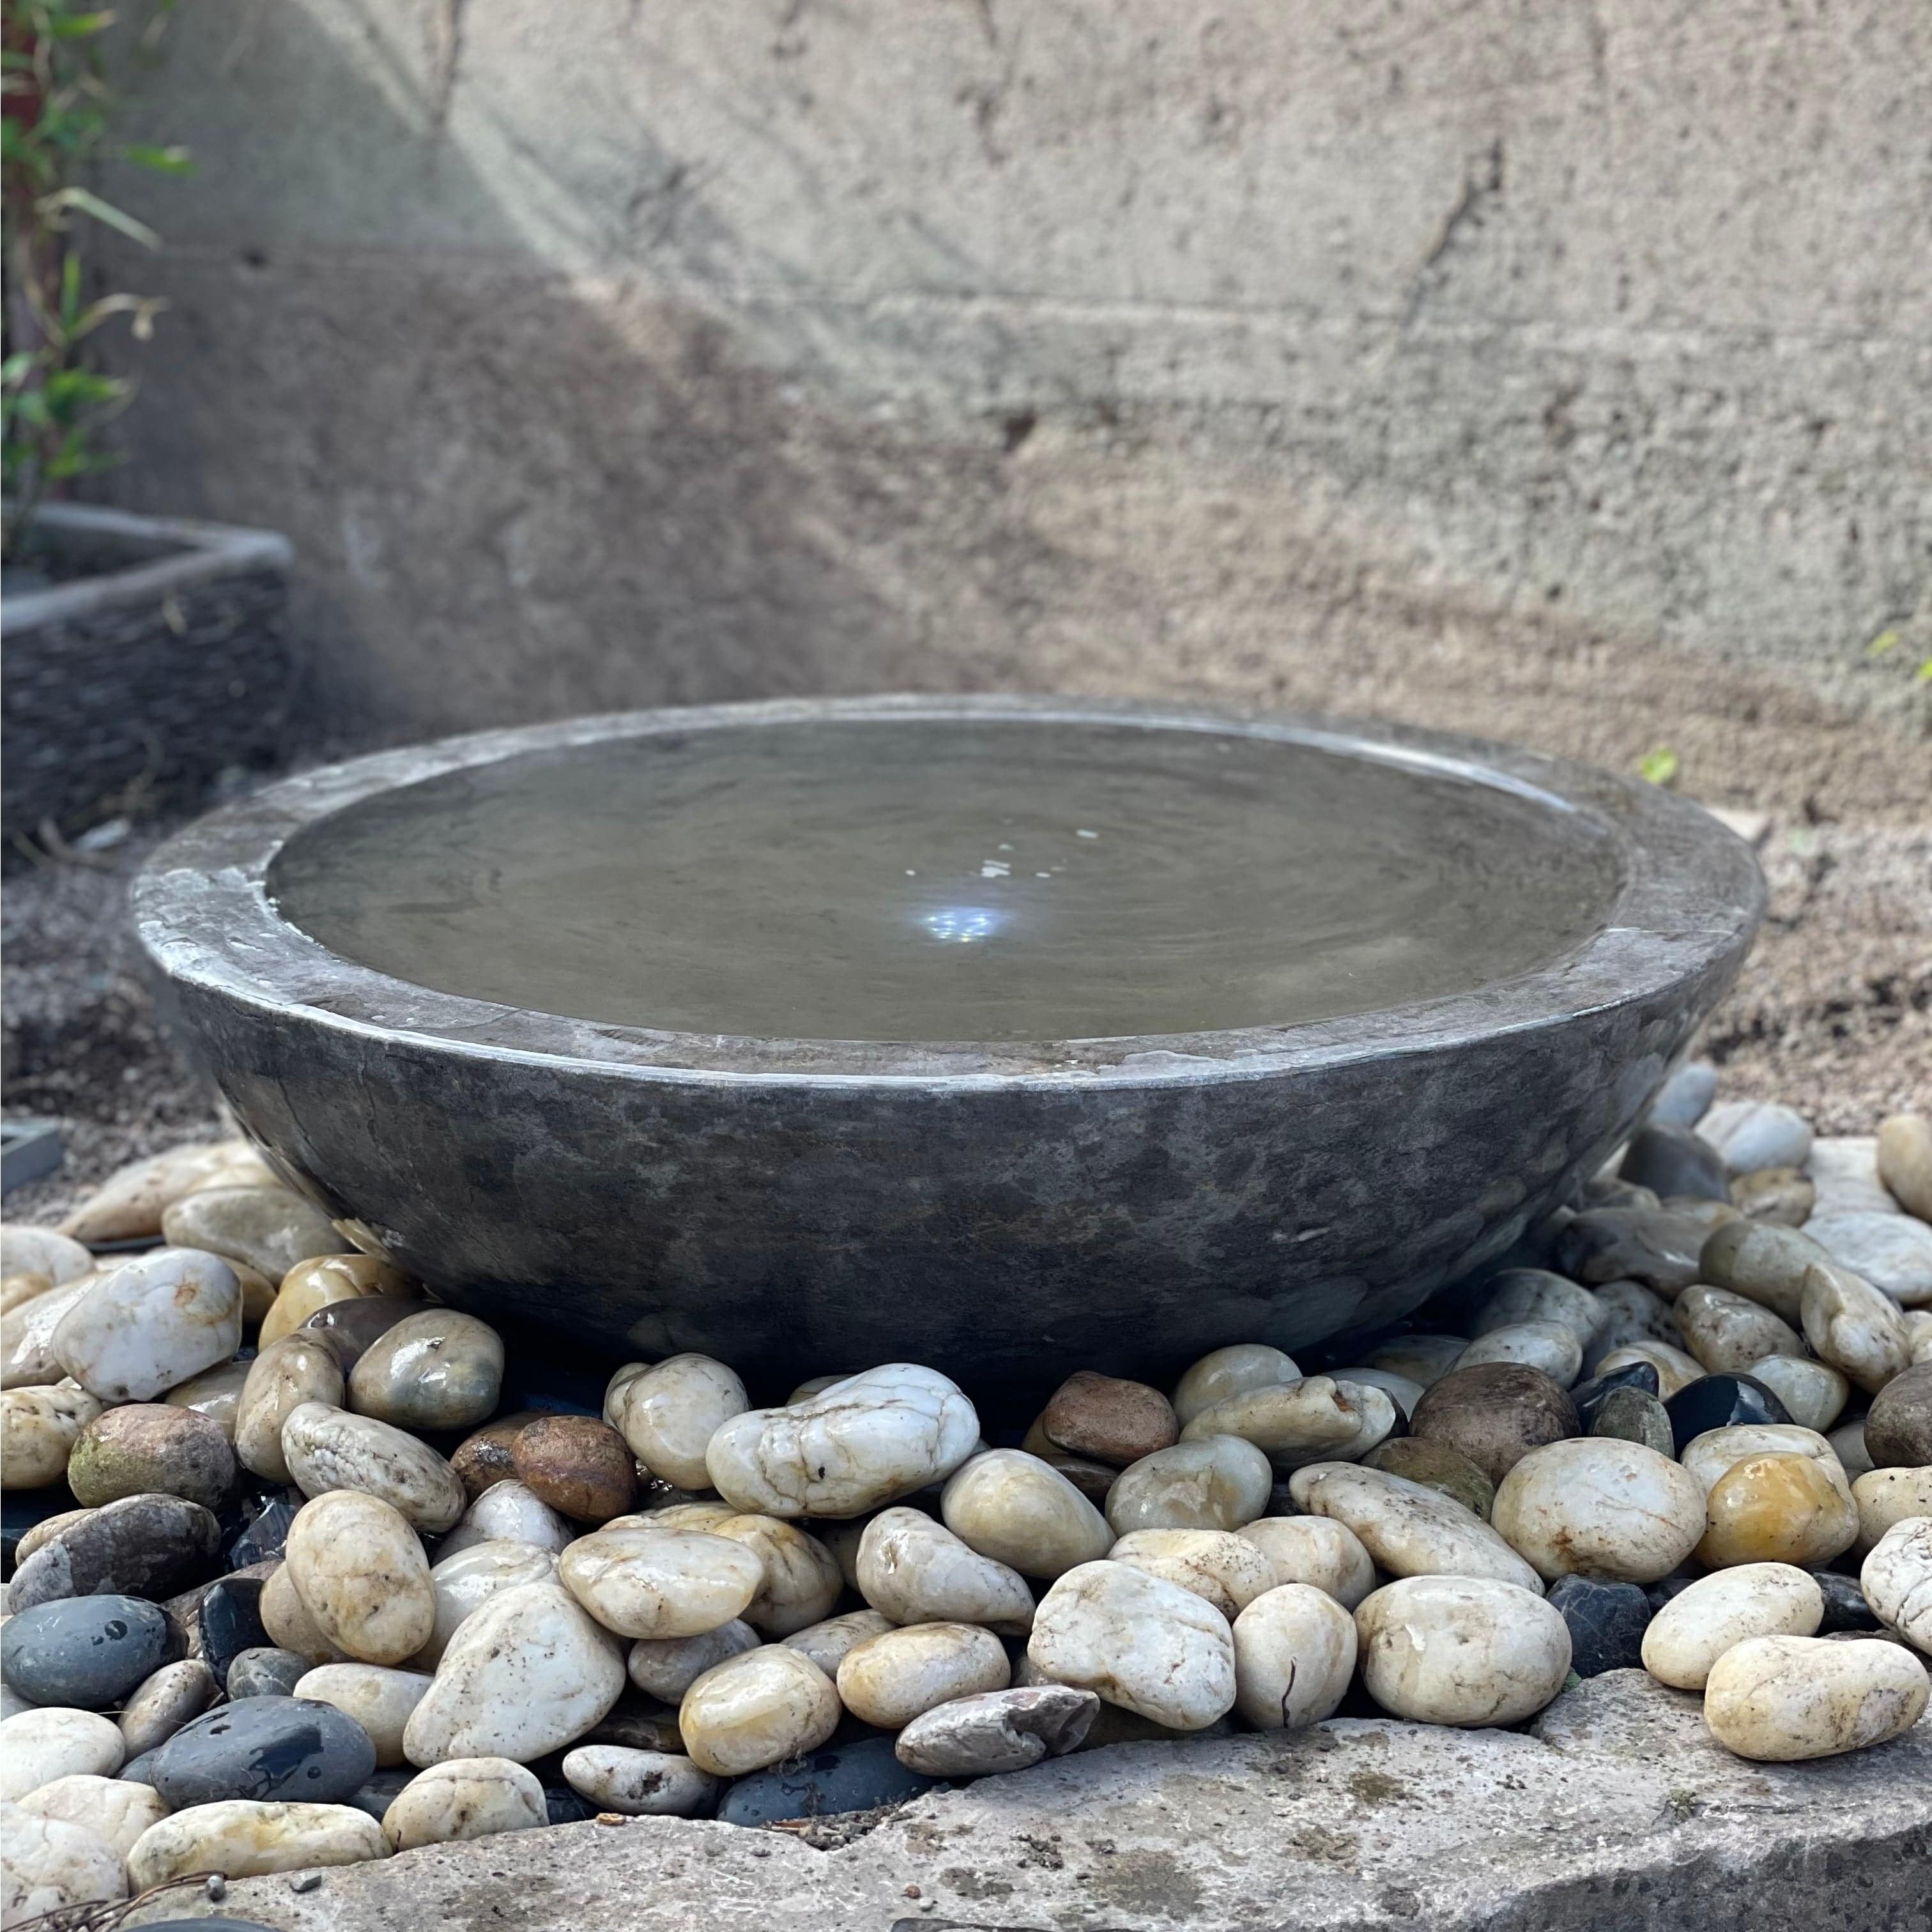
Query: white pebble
<point>1229,1372</point>
<point>529,1672</point>
<point>27,1250</point>
<point>1720,1611</point>
<point>1728,1332</point>
<point>46,1864</point>
<point>891,1679</point>
<point>245,1837</point>
<point>757,1709</point>
<point>1551,1346</point>
<point>465,1798</point>
<point>464,1583</point>
<point>1754,1134</point>
<point>827,1643</point>
<point>1897,1579</point>
<point>1783,1699</point>
<point>39,1426</point>
<point>1675,1369</point>
<point>116,1809</point>
<point>1461,1650</point>
<point>644,1581</point>
<point>165,1702</point>
<point>666,1667</point>
<point>1854,1326</point>
<point>1294,1655</point>
<point>328,1449</point>
<point>1410,1529</point>
<point>1218,1565</point>
<point>151,1323</point>
<point>1533,1295</point>
<point>802,1577</point>
<point>513,1512</point>
<point>1887,1496</point>
<point>1138,1641</point>
<point>1601,1507</point>
<point>1316,1550</point>
<point>856,1444</point>
<point>362,1576</point>
<point>1316,1419</point>
<point>380,1700</point>
<point>916,1571</point>
<point>1813,1392</point>
<point>298,1368</point>
<point>1021,1512</point>
<point>1892,1251</point>
<point>1215,1482</point>
<point>640,1784</point>
<point>38,1746</point>
<point>669,1414</point>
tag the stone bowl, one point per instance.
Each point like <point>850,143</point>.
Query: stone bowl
<point>1427,985</point>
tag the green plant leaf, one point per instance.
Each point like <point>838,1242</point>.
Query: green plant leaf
<point>75,26</point>
<point>1660,765</point>
<point>1885,641</point>
<point>1923,675</point>
<point>87,202</point>
<point>162,160</point>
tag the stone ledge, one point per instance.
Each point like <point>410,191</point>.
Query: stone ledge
<point>1620,1812</point>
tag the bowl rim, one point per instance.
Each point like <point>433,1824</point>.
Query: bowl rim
<point>1689,903</point>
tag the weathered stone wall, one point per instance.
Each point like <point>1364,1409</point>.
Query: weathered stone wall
<point>615,353</point>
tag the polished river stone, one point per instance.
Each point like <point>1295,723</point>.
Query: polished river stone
<point>945,880</point>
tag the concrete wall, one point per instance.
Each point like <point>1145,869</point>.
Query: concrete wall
<point>638,350</point>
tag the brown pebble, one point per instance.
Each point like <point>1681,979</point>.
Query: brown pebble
<point>487,1456</point>
<point>581,1467</point>
<point>1437,1466</point>
<point>1496,1413</point>
<point>1092,1480</point>
<point>146,1448</point>
<point>1781,1195</point>
<point>1898,1430</point>
<point>1110,1420</point>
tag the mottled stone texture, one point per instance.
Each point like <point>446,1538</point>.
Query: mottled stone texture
<point>1619,1811</point>
<point>619,354</point>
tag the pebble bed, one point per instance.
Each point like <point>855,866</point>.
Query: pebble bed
<point>317,1601</point>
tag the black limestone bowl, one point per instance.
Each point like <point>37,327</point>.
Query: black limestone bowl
<point>1174,1027</point>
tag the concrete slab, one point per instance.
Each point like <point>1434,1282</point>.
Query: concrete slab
<point>1620,1812</point>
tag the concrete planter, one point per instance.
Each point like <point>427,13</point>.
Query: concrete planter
<point>166,661</point>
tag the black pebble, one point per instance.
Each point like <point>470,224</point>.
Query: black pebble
<point>140,1770</point>
<point>1674,1160</point>
<point>380,1790</point>
<point>1845,1606</point>
<point>88,1652</point>
<point>565,1807</point>
<point>287,1749</point>
<point>22,1510</point>
<point>231,1622</point>
<point>1607,1620</point>
<point>840,1777</point>
<point>262,1537</point>
<point>264,1671</point>
<point>1589,1397</point>
<point>1717,1402</point>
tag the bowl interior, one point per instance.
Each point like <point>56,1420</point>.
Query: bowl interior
<point>951,878</point>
